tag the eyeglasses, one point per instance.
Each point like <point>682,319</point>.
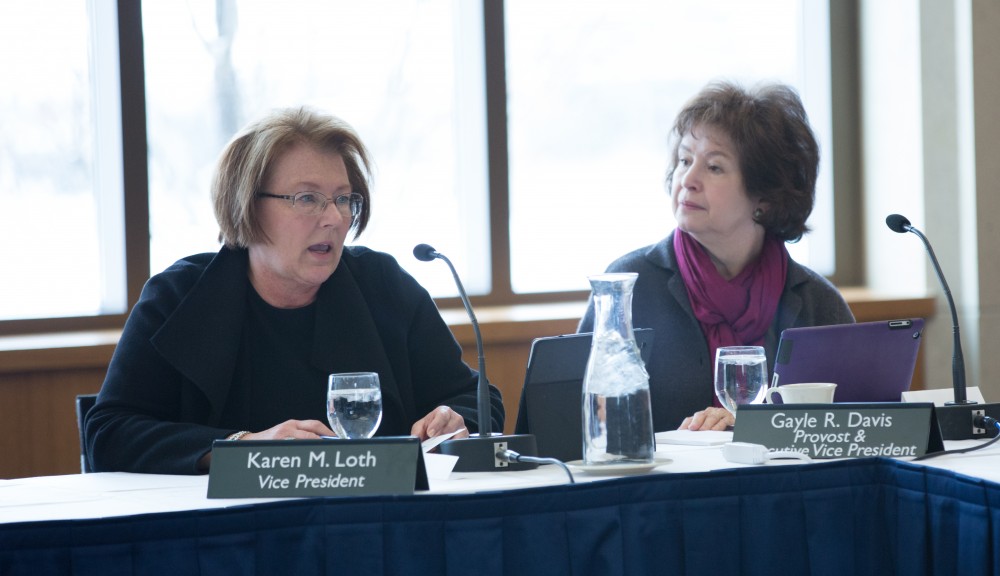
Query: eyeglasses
<point>313,203</point>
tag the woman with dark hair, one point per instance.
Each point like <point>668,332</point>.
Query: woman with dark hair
<point>742,180</point>
<point>238,344</point>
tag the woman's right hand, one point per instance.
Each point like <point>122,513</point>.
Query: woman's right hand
<point>711,418</point>
<point>293,430</point>
<point>287,430</point>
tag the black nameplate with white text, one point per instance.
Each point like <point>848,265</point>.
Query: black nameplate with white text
<point>848,430</point>
<point>303,468</point>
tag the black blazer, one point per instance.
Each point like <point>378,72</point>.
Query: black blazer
<point>168,385</point>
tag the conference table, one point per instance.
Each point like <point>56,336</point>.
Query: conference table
<point>695,514</point>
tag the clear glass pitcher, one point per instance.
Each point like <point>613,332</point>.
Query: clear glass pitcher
<point>617,418</point>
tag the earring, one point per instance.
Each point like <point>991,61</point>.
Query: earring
<point>757,213</point>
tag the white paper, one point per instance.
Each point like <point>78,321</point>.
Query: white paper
<point>439,466</point>
<point>694,437</point>
<point>940,396</point>
<point>431,443</point>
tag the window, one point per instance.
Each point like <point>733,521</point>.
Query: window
<point>593,92</point>
<point>406,74</point>
<point>61,219</point>
<point>578,98</point>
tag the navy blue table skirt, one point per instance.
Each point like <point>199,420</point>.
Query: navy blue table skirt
<point>869,516</point>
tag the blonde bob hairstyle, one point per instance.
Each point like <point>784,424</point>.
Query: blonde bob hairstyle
<point>245,164</point>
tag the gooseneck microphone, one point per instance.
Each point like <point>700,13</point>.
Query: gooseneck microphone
<point>483,451</point>
<point>426,253</point>
<point>899,223</point>
<point>960,419</point>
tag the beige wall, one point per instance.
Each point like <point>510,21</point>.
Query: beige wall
<point>931,151</point>
<point>985,23</point>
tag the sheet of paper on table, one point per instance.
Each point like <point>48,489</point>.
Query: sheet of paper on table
<point>694,437</point>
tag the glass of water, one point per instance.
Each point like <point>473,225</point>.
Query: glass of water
<point>354,404</point>
<point>740,376</point>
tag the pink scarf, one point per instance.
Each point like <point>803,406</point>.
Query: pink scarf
<point>736,312</point>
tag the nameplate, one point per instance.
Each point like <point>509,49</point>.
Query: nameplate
<point>848,430</point>
<point>302,468</point>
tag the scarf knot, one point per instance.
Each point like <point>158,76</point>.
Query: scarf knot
<point>734,312</point>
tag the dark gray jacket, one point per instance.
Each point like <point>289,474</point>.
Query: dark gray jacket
<point>680,370</point>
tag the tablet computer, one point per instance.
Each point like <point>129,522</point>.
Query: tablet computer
<point>552,397</point>
<point>868,361</point>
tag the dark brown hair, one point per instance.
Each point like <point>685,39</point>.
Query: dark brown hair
<point>778,153</point>
<point>246,162</point>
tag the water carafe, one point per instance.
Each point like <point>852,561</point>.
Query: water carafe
<point>617,419</point>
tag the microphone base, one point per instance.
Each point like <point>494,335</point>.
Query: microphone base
<point>956,421</point>
<point>478,453</point>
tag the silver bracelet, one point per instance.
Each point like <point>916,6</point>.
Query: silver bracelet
<point>238,435</point>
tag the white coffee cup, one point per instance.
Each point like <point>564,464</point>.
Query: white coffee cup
<point>807,393</point>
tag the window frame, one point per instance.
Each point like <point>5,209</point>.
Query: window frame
<point>846,142</point>
<point>134,184</point>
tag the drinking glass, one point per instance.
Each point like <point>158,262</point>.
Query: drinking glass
<point>354,404</point>
<point>740,376</point>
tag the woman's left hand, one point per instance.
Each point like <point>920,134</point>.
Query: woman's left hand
<point>708,419</point>
<point>441,420</point>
